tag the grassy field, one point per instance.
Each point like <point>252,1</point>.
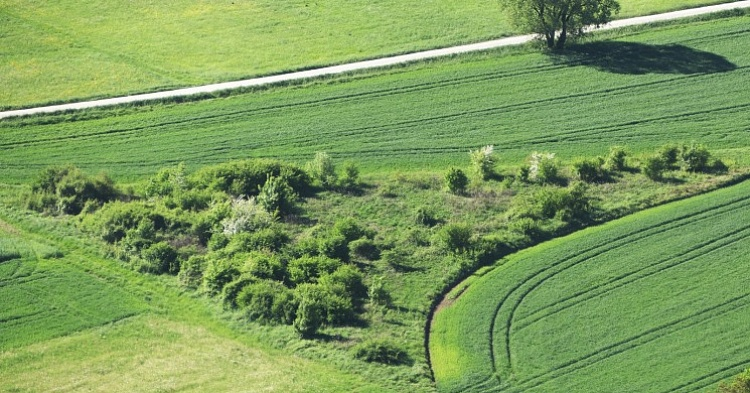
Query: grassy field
<point>677,83</point>
<point>655,302</point>
<point>70,50</point>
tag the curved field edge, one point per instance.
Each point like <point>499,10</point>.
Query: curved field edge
<point>469,338</point>
<point>90,51</point>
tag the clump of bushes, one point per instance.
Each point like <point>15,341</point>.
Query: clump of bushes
<point>740,384</point>
<point>247,177</point>
<point>694,158</point>
<point>456,238</point>
<point>322,170</point>
<point>67,190</point>
<point>543,168</point>
<point>590,170</point>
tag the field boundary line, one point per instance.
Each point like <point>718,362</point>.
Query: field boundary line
<point>362,65</point>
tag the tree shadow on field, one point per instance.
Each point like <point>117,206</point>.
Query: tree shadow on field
<point>637,59</point>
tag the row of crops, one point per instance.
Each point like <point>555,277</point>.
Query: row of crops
<point>656,302</point>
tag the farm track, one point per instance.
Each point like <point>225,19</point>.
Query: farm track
<point>712,245</point>
<point>364,65</point>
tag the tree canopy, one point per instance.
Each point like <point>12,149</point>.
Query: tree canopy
<point>557,20</point>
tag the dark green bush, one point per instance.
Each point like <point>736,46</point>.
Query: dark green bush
<point>266,266</point>
<point>277,197</point>
<point>167,181</point>
<point>590,170</point>
<point>616,159</point>
<point>268,301</point>
<point>349,279</point>
<point>308,269</point>
<point>365,248</point>
<point>334,246</point>
<point>231,290</point>
<point>381,351</point>
<point>67,190</point>
<point>269,239</point>
<point>191,271</point>
<point>218,273</point>
<point>245,178</point>
<point>114,219</point>
<point>310,315</point>
<point>654,167</point>
<point>669,155</point>
<point>740,384</point>
<point>695,158</point>
<point>456,238</point>
<point>160,258</point>
<point>351,230</point>
<point>456,181</point>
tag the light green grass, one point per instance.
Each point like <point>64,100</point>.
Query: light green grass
<point>650,303</point>
<point>688,84</point>
<point>69,50</point>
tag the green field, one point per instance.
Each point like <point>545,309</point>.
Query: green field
<point>677,83</point>
<point>655,302</point>
<point>70,50</point>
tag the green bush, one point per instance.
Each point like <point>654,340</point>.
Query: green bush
<point>381,351</point>
<point>334,246</point>
<point>167,181</point>
<point>350,181</point>
<point>653,167</point>
<point>66,190</point>
<point>669,155</point>
<point>268,301</point>
<point>322,170</point>
<point>483,162</point>
<point>231,290</point>
<point>160,258</point>
<point>115,219</point>
<point>191,271</point>
<point>377,293</point>
<point>456,181</point>
<point>543,168</point>
<point>277,197</point>
<point>590,170</point>
<point>351,230</point>
<point>308,269</point>
<point>365,248</point>
<point>695,158</point>
<point>350,280</point>
<point>616,159</point>
<point>456,238</point>
<point>266,266</point>
<point>310,315</point>
<point>247,177</point>
<point>218,273</point>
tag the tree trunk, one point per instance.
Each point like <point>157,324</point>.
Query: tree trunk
<point>561,39</point>
<point>550,39</point>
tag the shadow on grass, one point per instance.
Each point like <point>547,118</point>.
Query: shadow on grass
<point>637,59</point>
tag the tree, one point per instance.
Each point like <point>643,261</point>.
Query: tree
<point>556,20</point>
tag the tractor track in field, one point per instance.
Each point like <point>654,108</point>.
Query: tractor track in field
<point>356,66</point>
<point>617,242</point>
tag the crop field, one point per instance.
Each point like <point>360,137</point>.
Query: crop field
<point>655,302</point>
<point>677,83</point>
<point>44,296</point>
<point>70,50</point>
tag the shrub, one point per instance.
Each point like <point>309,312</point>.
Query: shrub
<point>653,167</point>
<point>695,158</point>
<point>456,181</point>
<point>231,290</point>
<point>616,160</point>
<point>377,292</point>
<point>310,314</point>
<point>247,177</point>
<point>334,246</point>
<point>67,190</point>
<point>264,266</point>
<point>543,168</point>
<point>350,279</point>
<point>351,230</point>
<point>160,258</point>
<point>218,273</point>
<point>167,181</point>
<point>740,384</point>
<point>365,248</point>
<point>589,169</point>
<point>114,219</point>
<point>483,162</point>
<point>426,216</point>
<point>322,170</point>
<point>350,181</point>
<point>191,271</point>
<point>381,351</point>
<point>277,197</point>
<point>308,269</point>
<point>456,238</point>
<point>268,301</point>
<point>669,155</point>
